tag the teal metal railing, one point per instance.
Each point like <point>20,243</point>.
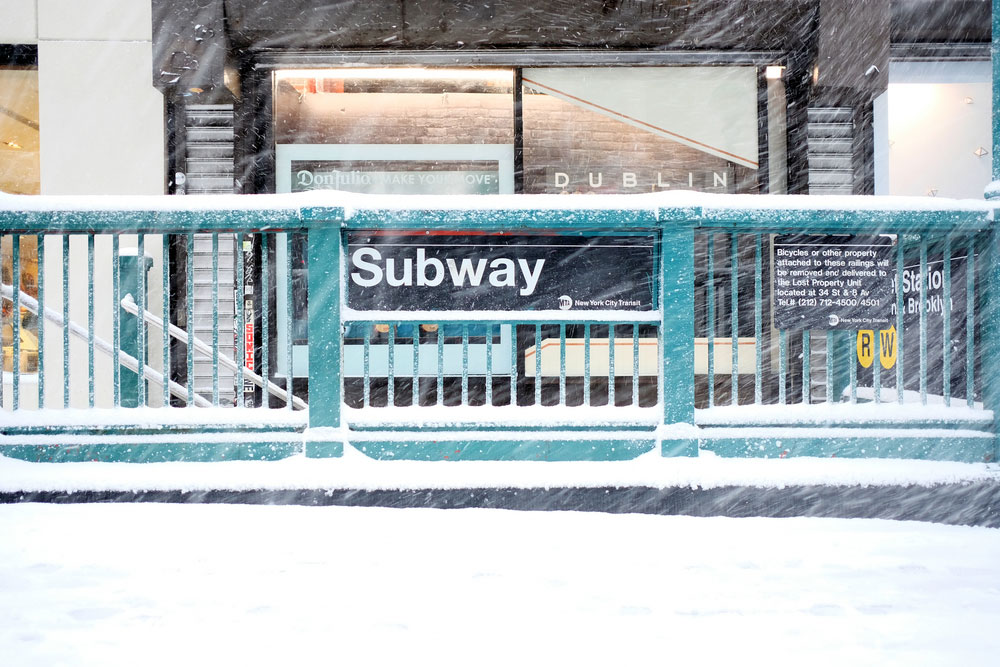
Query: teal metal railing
<point>784,367</point>
<point>704,369</point>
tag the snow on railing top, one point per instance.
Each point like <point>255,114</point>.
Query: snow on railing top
<point>351,202</point>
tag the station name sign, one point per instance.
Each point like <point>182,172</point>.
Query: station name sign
<point>833,282</point>
<point>472,271</point>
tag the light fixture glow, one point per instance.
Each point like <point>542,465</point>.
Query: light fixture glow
<point>408,73</point>
<point>774,71</point>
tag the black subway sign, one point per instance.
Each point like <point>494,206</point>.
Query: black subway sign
<point>833,282</point>
<point>453,271</point>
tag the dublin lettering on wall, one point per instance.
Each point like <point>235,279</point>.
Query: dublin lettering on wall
<point>617,179</point>
<point>833,282</point>
<point>455,271</point>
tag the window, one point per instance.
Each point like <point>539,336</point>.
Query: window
<point>403,131</point>
<point>19,174</point>
<point>640,129</point>
<point>418,130</point>
<point>933,130</point>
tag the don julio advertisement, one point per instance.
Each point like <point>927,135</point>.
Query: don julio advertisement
<point>503,272</point>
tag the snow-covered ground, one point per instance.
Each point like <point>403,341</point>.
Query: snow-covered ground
<point>147,584</point>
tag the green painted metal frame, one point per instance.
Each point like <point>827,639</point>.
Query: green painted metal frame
<point>677,435</point>
<point>327,433</point>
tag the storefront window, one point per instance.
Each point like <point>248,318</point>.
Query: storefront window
<point>640,129</point>
<point>386,131</point>
<point>19,174</point>
<point>933,130</point>
<point>395,130</point>
<point>454,131</point>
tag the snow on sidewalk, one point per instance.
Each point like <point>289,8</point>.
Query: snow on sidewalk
<point>147,584</point>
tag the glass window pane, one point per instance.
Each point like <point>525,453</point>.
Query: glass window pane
<point>19,174</point>
<point>646,129</point>
<point>19,171</point>
<point>395,130</point>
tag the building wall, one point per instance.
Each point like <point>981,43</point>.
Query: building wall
<point>101,130</point>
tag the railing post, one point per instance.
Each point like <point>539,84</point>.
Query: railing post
<point>325,375</point>
<point>989,368</point>
<point>840,351</point>
<point>990,345</point>
<point>128,271</point>
<point>677,336</point>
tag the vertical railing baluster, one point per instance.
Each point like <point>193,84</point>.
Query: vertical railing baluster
<point>215,319</point>
<point>635,364</point>
<point>366,390</point>
<point>440,363</point>
<point>782,365</point>
<point>513,365</point>
<point>829,367</point>
<point>189,303</point>
<point>758,320</point>
<point>562,363</point>
<point>660,347</point>
<point>40,244</point>
<point>946,323</point>
<point>141,345</point>
<point>586,364</point>
<point>489,363</point>
<point>538,364</point>
<point>390,390</point>
<point>465,364</point>
<point>116,315</point>
<point>923,319</point>
<point>853,369</point>
<point>65,313</point>
<point>900,377</point>
<point>91,380</point>
<point>415,395</point>
<point>806,367</point>
<point>710,316</point>
<point>165,280</point>
<point>611,364</point>
<point>289,313</point>
<point>241,325</point>
<point>265,316</point>
<point>970,322</point>
<point>877,367</point>
<point>734,307</point>
<point>15,282</point>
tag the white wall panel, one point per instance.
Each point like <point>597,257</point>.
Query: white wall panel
<point>101,119</point>
<point>17,22</point>
<point>125,20</point>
